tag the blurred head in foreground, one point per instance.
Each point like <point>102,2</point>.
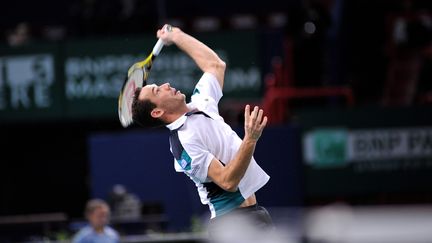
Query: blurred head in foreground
<point>97,213</point>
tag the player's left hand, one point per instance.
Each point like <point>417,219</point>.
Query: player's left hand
<point>255,123</point>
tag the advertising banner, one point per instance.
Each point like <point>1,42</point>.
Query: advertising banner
<point>366,151</point>
<point>82,79</point>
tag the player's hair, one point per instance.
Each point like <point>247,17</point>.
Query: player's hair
<point>141,112</point>
<point>94,204</point>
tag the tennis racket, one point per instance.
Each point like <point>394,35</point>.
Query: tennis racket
<point>137,76</point>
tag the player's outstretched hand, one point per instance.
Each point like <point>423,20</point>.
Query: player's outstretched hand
<point>254,123</point>
<point>167,34</point>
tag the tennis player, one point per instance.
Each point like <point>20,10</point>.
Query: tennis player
<point>205,148</point>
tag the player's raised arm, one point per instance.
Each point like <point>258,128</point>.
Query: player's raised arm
<point>206,59</point>
<point>228,177</point>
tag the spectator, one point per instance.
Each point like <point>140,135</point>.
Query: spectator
<point>97,213</point>
<point>124,205</point>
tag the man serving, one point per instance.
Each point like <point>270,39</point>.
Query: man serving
<point>205,148</point>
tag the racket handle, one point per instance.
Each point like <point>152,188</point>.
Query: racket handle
<point>158,47</point>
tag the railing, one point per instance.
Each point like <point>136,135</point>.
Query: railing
<point>280,89</point>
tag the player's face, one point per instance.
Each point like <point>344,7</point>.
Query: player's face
<point>163,96</point>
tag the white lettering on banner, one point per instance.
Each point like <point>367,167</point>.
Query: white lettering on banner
<point>89,88</point>
<point>104,65</point>
<point>376,144</point>
<point>29,79</point>
<point>238,78</point>
<point>420,142</point>
<point>91,78</point>
<point>102,77</point>
<point>389,143</point>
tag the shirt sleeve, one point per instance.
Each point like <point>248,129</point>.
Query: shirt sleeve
<point>208,86</point>
<point>194,160</point>
<point>206,95</point>
<point>200,163</point>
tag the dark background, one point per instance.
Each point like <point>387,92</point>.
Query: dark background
<point>45,166</point>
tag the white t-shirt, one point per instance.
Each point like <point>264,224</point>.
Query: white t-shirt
<point>201,135</point>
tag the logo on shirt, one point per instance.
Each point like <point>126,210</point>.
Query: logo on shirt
<point>196,91</point>
<point>185,161</point>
